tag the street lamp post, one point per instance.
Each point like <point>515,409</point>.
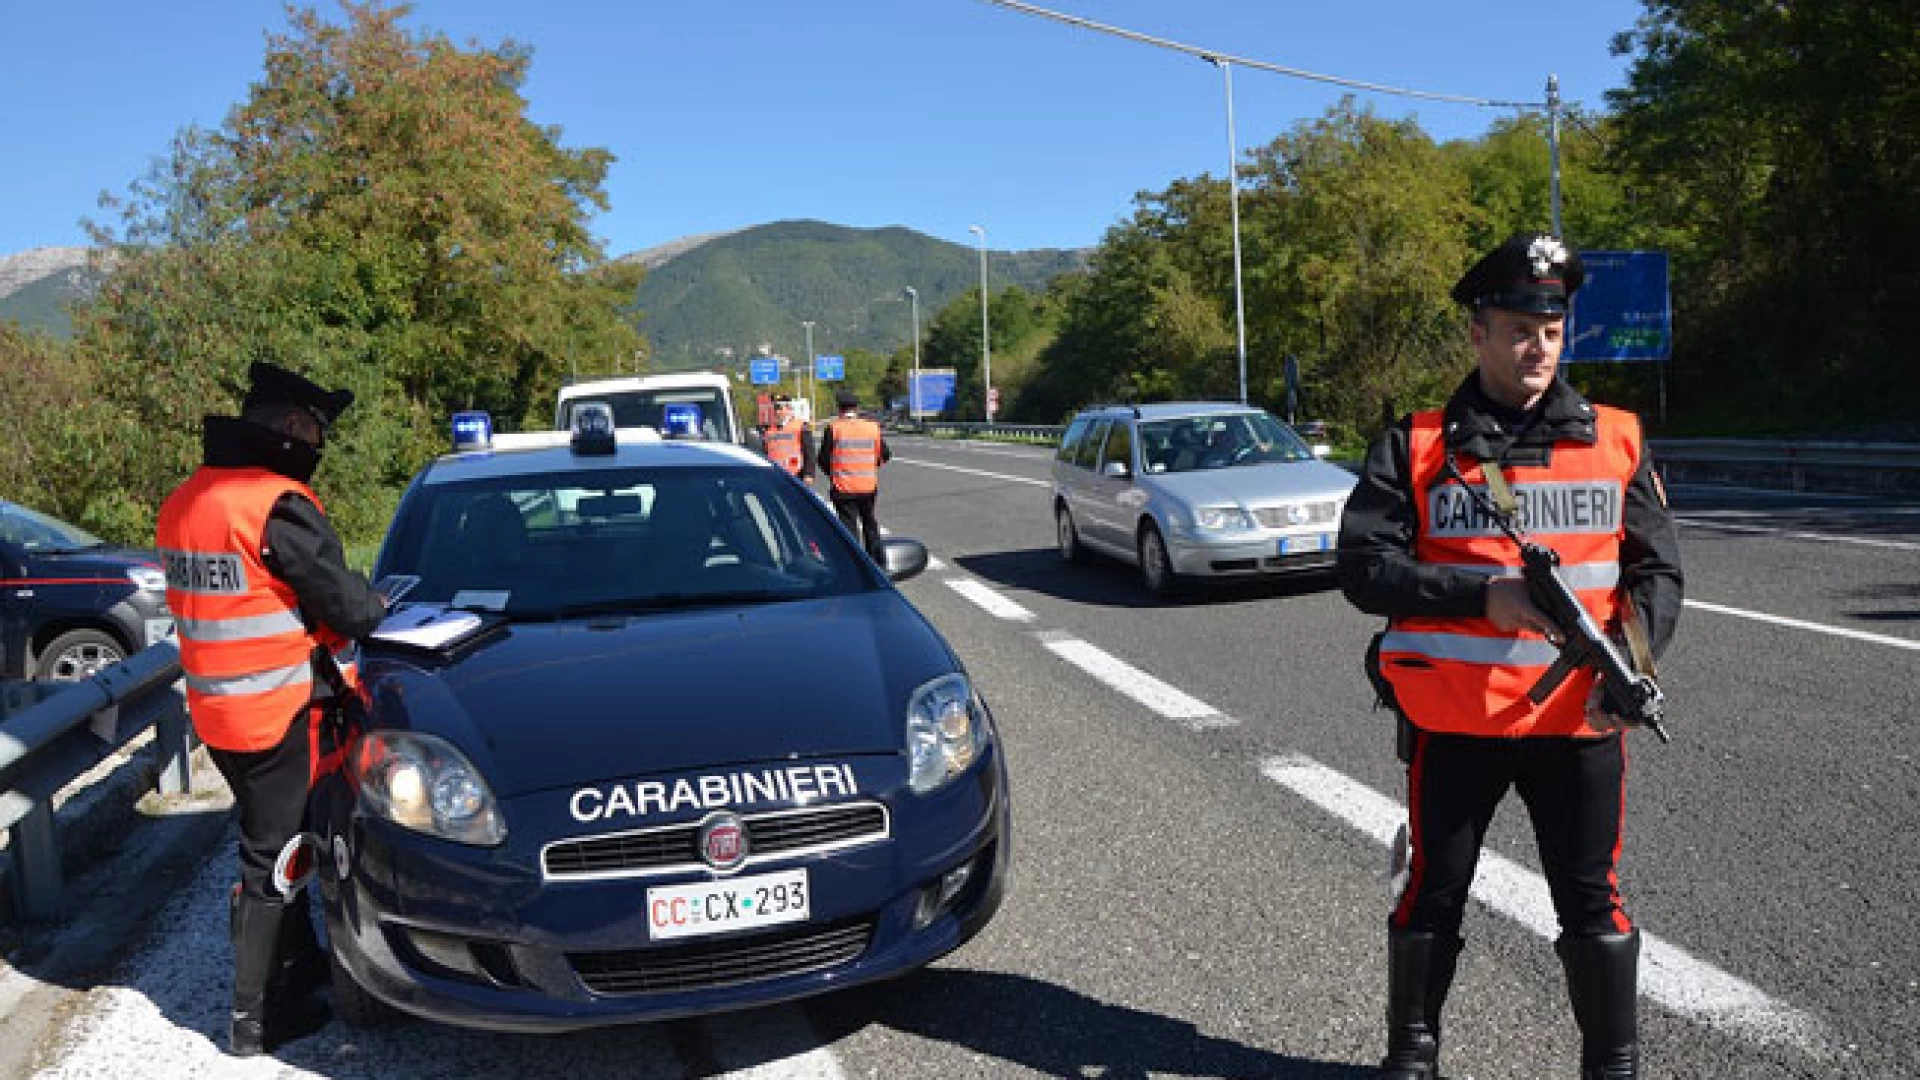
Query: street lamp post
<point>986,342</point>
<point>1233,201</point>
<point>808,323</point>
<point>913,388</point>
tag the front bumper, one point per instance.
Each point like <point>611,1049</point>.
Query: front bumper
<point>479,939</point>
<point>1250,553</point>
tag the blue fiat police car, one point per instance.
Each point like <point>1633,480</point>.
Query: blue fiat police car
<point>646,735</point>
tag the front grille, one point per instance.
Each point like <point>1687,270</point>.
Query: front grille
<point>1318,513</point>
<point>722,963</point>
<point>672,847</point>
<point>1306,560</point>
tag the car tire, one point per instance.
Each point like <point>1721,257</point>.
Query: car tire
<point>1068,535</point>
<point>1156,566</point>
<point>351,1002</point>
<point>77,654</point>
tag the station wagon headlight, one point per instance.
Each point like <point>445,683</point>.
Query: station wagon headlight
<point>944,732</point>
<point>147,578</point>
<point>1222,517</point>
<point>421,782</point>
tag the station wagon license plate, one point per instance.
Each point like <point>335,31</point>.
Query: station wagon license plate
<point>717,907</point>
<point>1295,545</point>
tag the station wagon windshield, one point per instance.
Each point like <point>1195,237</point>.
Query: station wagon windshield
<point>1217,441</point>
<point>571,544</point>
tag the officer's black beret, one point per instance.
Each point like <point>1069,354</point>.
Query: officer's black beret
<point>847,399</point>
<point>1531,272</point>
<point>272,384</point>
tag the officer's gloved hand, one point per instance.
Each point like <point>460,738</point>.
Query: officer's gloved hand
<point>1598,718</point>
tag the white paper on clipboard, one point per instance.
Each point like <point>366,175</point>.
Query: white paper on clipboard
<point>425,627</point>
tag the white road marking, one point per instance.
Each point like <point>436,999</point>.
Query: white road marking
<point>935,564</point>
<point>974,472</point>
<point>1693,522</point>
<point>1802,624</point>
<point>1668,974</point>
<point>1162,698</point>
<point>995,604</point>
<point>772,1044</point>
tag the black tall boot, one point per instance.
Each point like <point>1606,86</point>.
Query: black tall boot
<point>303,965</point>
<point>1603,981</point>
<point>1419,972</point>
<point>260,1021</point>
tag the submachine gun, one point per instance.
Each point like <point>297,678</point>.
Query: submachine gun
<point>1630,691</point>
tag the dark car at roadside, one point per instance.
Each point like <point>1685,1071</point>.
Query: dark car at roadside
<point>70,603</point>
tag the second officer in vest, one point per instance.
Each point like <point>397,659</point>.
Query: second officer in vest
<point>852,452</point>
<point>1464,644</point>
<point>788,441</point>
<point>257,581</point>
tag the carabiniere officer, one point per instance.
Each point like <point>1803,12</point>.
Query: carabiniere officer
<point>1464,644</point>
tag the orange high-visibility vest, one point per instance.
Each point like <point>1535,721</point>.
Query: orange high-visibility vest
<point>783,445</point>
<point>1464,675</point>
<point>854,466</point>
<point>246,653</point>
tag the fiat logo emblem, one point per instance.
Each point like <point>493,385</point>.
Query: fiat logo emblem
<point>722,841</point>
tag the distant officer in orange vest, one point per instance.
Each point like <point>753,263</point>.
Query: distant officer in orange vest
<point>852,452</point>
<point>788,441</point>
<point>257,582</point>
<point>1464,643</point>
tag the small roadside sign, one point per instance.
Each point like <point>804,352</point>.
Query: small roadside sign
<point>1622,312</point>
<point>763,370</point>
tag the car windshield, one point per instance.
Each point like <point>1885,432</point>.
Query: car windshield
<point>652,408</point>
<point>1218,441</point>
<point>620,540</point>
<point>30,531</point>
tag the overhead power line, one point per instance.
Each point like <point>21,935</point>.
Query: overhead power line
<point>1217,56</point>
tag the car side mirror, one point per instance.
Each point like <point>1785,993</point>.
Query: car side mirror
<point>1116,469</point>
<point>906,557</point>
<point>756,442</point>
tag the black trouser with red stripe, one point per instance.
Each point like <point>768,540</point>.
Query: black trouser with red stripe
<point>856,513</point>
<point>1575,793</point>
<point>270,788</point>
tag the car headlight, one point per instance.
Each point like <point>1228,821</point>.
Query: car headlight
<point>147,578</point>
<point>945,732</point>
<point>421,782</point>
<point>1222,517</point>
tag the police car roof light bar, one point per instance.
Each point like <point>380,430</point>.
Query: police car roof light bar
<point>472,430</point>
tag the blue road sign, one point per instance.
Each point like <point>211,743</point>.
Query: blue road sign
<point>1623,311</point>
<point>829,368</point>
<point>932,392</point>
<point>764,370</point>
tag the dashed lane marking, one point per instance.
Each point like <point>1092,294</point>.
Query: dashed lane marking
<point>1669,975</point>
<point>1162,698</point>
<point>996,605</point>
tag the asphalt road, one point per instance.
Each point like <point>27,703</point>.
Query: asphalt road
<point>1202,793</point>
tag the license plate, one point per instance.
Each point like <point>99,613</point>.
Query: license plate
<point>716,907</point>
<point>1294,545</point>
<point>159,630</point>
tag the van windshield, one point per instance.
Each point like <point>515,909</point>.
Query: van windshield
<point>653,408</point>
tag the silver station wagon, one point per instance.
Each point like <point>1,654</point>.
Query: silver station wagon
<point>1195,490</point>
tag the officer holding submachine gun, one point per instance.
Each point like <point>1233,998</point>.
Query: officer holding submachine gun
<point>1495,657</point>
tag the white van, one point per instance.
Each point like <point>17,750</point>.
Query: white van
<point>703,398</point>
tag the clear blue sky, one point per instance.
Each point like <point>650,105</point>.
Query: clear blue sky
<point>932,114</point>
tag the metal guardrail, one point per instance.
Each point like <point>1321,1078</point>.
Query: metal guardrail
<point>1887,466</point>
<point>62,730</point>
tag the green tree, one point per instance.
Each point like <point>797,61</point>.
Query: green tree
<point>380,214</point>
<point>1780,145</point>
